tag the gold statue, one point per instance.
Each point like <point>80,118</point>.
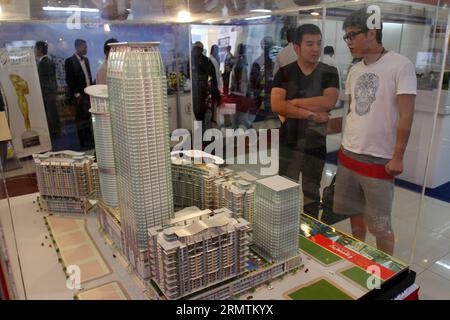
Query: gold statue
<point>22,89</point>
<point>30,138</point>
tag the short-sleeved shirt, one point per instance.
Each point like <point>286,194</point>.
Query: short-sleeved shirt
<point>371,125</point>
<point>298,85</point>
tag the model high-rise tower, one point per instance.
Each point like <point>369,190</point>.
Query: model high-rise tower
<point>276,219</point>
<point>138,101</point>
<point>101,121</point>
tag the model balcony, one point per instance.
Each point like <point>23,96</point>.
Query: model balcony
<point>171,281</point>
<point>169,269</point>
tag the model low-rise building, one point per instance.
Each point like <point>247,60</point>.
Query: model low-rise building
<point>198,249</point>
<point>65,181</point>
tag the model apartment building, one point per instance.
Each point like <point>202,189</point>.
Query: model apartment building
<point>65,181</point>
<point>197,249</point>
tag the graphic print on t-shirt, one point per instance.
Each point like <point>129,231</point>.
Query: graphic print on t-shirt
<point>365,92</point>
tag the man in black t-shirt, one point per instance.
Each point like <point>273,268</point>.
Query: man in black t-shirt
<point>303,93</point>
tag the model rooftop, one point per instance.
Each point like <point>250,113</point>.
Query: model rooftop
<point>201,156</point>
<point>62,157</point>
<point>277,183</point>
<point>191,222</point>
<point>189,213</point>
<point>134,44</point>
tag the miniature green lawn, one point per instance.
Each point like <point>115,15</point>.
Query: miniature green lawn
<point>320,290</point>
<point>357,275</point>
<point>321,254</point>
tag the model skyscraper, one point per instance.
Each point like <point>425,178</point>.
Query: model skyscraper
<point>101,121</point>
<point>276,219</point>
<point>138,101</point>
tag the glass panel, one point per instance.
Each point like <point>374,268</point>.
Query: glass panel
<point>241,45</point>
<point>413,30</point>
<point>430,176</point>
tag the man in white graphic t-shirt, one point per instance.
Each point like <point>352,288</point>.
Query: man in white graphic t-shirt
<point>382,89</point>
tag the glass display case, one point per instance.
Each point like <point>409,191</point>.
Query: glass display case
<point>180,177</point>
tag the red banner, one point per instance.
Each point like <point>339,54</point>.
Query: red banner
<point>350,255</point>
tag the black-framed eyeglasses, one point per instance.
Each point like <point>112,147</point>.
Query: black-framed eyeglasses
<point>352,35</point>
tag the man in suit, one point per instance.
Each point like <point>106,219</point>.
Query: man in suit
<point>78,77</point>
<point>49,88</point>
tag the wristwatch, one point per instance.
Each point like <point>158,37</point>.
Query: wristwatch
<point>312,116</point>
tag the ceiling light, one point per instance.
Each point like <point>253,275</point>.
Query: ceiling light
<point>314,13</point>
<point>261,10</point>
<point>257,18</point>
<point>1,9</point>
<point>184,16</point>
<point>72,8</point>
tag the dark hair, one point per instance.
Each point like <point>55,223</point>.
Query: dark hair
<point>106,48</point>
<point>328,50</point>
<point>358,19</point>
<point>215,52</point>
<point>290,35</point>
<point>266,42</point>
<point>42,46</point>
<point>79,42</point>
<point>198,44</point>
<point>241,48</point>
<point>307,28</point>
<point>214,47</point>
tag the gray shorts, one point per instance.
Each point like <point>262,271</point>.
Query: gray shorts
<point>372,198</point>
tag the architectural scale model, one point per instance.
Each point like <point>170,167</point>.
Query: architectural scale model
<point>96,187</point>
<point>209,186</point>
<point>101,121</point>
<point>193,183</point>
<point>234,232</point>
<point>65,181</point>
<point>137,90</point>
<point>277,218</point>
<point>197,249</point>
<point>237,194</point>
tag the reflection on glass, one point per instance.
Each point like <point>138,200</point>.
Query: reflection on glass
<point>21,87</point>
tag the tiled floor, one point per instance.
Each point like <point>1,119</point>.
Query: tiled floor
<point>431,257</point>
